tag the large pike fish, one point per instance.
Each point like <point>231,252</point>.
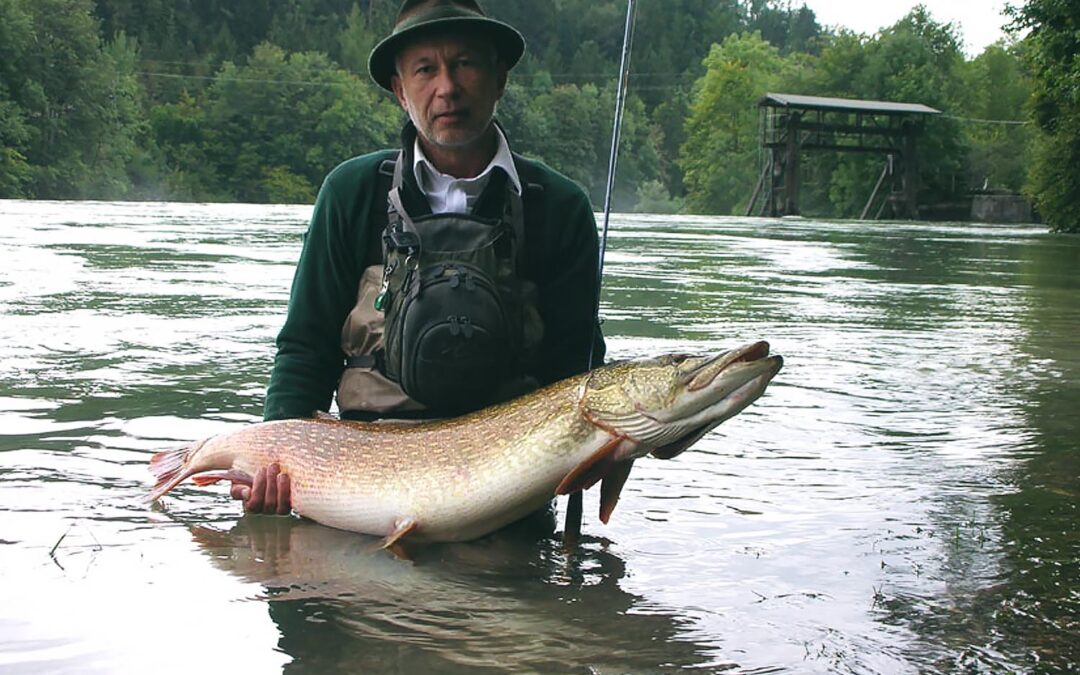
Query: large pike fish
<point>461,478</point>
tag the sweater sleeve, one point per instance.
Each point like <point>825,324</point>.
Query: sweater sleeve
<point>309,358</point>
<point>568,295</point>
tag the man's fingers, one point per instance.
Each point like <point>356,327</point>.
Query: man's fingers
<point>270,502</point>
<point>269,491</point>
<point>283,504</point>
<point>257,494</point>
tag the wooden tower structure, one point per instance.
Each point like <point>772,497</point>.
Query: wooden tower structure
<point>792,124</point>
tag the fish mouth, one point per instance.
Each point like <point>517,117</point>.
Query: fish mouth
<point>750,369</point>
<point>669,411</point>
<point>704,374</point>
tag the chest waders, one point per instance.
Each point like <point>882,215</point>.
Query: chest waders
<point>446,321</point>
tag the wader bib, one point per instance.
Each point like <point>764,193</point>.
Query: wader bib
<point>443,325</point>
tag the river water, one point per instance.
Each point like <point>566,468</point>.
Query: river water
<point>903,499</point>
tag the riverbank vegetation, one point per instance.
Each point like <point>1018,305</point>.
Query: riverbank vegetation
<point>255,100</point>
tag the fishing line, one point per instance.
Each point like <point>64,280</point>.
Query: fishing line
<point>573,507</point>
<point>616,130</point>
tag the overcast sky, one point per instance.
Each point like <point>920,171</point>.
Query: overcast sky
<point>980,21</point>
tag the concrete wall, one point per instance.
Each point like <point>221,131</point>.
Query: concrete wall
<point>1001,209</point>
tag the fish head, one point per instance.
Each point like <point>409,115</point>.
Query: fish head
<point>669,402</point>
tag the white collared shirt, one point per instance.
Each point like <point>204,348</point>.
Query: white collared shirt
<point>447,194</point>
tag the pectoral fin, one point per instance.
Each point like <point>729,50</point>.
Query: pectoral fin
<point>401,528</point>
<point>612,486</point>
<point>234,475</point>
<point>593,469</point>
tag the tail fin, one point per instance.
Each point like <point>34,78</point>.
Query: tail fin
<point>171,467</point>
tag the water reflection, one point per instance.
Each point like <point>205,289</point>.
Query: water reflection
<point>505,603</point>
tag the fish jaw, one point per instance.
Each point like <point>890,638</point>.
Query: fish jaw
<point>668,403</point>
<point>719,389</point>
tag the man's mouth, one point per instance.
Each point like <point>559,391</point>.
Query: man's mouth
<point>452,115</point>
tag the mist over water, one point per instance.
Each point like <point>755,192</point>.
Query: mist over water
<point>903,499</point>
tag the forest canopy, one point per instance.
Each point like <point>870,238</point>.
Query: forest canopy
<point>256,100</point>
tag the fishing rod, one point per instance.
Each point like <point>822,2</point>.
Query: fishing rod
<point>572,528</point>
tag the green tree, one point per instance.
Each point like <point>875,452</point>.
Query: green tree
<point>283,121</point>
<point>569,127</point>
<point>69,104</point>
<point>363,30</point>
<point>15,131</point>
<point>179,132</point>
<point>1051,50</point>
<point>783,25</point>
<point>15,172</point>
<point>653,197</point>
<point>999,91</point>
<point>719,157</point>
<point>669,134</point>
<point>525,122</point>
<point>572,121</point>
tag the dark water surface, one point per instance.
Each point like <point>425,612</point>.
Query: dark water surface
<point>903,499</point>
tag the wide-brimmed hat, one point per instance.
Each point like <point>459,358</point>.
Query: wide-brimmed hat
<point>422,17</point>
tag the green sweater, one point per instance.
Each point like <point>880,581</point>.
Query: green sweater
<point>341,241</point>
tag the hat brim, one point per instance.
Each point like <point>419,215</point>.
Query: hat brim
<point>507,40</point>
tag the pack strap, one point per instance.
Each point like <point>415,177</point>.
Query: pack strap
<point>514,215</point>
<point>386,167</point>
<point>362,361</point>
<point>396,208</point>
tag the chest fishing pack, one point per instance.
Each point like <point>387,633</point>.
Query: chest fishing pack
<point>457,317</point>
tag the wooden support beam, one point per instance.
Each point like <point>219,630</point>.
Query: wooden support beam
<point>757,188</point>
<point>862,129</point>
<point>884,149</point>
<point>791,166</point>
<point>885,170</point>
<point>911,173</point>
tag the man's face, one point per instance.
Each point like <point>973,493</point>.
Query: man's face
<point>449,86</point>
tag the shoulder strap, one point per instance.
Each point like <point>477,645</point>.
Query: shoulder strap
<point>384,180</point>
<point>533,205</point>
<point>532,190</point>
<point>396,170</point>
<point>394,208</point>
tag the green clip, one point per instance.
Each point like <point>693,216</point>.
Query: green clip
<point>380,301</point>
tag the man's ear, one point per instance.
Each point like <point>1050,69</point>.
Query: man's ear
<point>399,91</point>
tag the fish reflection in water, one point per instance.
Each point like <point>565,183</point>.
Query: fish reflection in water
<point>511,600</point>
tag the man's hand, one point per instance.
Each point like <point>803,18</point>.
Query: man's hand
<point>268,492</point>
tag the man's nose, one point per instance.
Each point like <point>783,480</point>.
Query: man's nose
<point>446,83</point>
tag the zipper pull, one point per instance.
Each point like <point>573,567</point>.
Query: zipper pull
<point>384,289</point>
<point>411,263</point>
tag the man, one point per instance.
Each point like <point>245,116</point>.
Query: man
<point>446,62</point>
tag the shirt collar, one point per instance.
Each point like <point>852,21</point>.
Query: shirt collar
<point>428,177</point>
